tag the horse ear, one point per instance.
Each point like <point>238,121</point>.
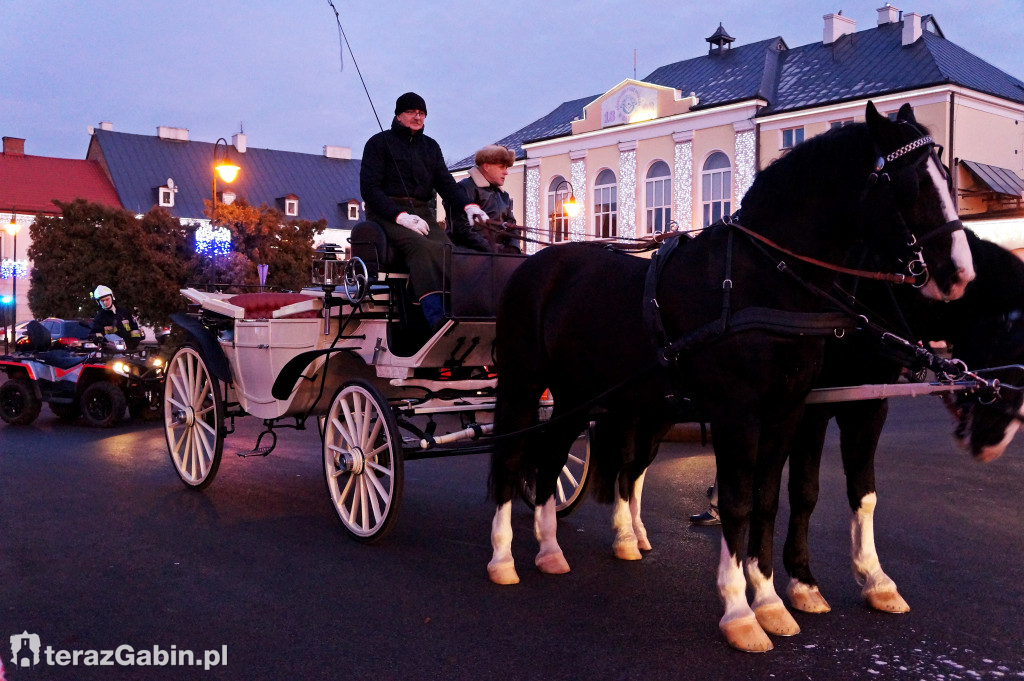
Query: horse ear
<point>906,113</point>
<point>874,120</point>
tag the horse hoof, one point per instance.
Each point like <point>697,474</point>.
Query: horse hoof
<point>503,573</point>
<point>643,544</point>
<point>552,563</point>
<point>627,551</point>
<point>807,599</point>
<point>746,634</point>
<point>887,601</point>
<point>775,619</point>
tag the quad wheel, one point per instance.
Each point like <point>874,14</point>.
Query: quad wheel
<point>363,461</point>
<point>572,482</point>
<point>193,412</point>
<point>103,404</point>
<point>19,405</point>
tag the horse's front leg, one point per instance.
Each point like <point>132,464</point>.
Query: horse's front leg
<point>734,458</point>
<point>550,559</point>
<point>860,425</point>
<point>767,605</point>
<point>804,472</point>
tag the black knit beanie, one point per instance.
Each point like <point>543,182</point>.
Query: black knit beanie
<point>410,101</point>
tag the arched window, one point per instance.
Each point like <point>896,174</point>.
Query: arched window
<point>558,219</point>
<point>658,190</point>
<point>606,205</point>
<point>716,187</point>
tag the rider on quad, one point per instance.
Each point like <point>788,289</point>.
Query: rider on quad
<point>111,320</point>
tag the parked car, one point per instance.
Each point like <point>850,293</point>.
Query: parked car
<point>64,333</point>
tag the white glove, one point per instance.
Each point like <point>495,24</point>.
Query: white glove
<point>474,214</point>
<point>414,222</point>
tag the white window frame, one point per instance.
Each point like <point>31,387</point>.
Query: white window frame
<point>606,206</point>
<point>291,207</point>
<point>165,197</point>
<point>558,219</point>
<point>716,189</point>
<point>353,211</point>
<point>832,125</point>
<point>791,137</point>
<point>658,212</point>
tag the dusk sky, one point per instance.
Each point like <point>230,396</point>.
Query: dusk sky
<point>485,69</point>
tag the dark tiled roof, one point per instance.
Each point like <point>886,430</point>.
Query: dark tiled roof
<point>29,184</point>
<point>555,124</point>
<point>138,164</point>
<point>730,75</point>
<point>867,63</point>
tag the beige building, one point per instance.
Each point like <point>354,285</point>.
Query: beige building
<point>679,148</point>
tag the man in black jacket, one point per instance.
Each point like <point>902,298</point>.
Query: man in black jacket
<point>402,171</point>
<point>484,188</point>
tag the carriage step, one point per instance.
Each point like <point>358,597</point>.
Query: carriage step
<point>260,450</point>
<point>256,451</point>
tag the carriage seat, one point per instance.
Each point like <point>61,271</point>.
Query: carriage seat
<point>272,305</point>
<point>370,244</point>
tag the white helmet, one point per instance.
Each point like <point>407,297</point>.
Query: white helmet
<point>100,292</point>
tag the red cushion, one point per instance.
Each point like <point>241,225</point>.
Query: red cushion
<point>262,305</point>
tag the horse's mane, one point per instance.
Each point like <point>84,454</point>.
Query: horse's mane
<point>825,169</point>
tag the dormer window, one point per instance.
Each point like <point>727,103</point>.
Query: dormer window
<point>290,205</point>
<point>353,211</point>
<point>165,194</point>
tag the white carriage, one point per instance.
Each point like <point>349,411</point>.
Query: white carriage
<point>353,357</point>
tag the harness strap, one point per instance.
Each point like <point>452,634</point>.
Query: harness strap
<point>892,278</point>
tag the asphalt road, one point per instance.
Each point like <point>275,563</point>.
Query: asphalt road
<point>101,547</point>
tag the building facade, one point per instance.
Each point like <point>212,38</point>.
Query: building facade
<point>679,148</point>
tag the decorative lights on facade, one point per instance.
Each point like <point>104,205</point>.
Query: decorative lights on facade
<point>627,190</point>
<point>746,162</point>
<point>682,181</point>
<point>532,208</point>
<point>578,224</point>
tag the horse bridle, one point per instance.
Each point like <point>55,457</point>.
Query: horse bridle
<point>916,267</point>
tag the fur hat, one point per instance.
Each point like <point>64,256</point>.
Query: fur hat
<point>497,154</point>
<point>410,101</point>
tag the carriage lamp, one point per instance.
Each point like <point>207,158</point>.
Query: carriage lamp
<point>227,170</point>
<point>328,266</point>
<point>569,205</point>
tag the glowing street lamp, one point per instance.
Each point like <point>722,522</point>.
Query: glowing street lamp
<point>12,229</point>
<point>227,170</point>
<point>570,205</point>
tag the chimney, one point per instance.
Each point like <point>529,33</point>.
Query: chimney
<point>106,125</point>
<point>238,139</point>
<point>14,146</point>
<point>168,133</point>
<point>337,152</point>
<point>911,28</point>
<point>888,15</point>
<point>836,26</point>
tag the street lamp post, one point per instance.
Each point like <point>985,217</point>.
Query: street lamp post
<point>569,206</point>
<point>12,229</point>
<point>227,171</point>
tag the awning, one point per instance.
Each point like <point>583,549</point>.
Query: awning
<point>999,180</point>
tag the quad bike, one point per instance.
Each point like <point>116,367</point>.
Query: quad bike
<point>97,385</point>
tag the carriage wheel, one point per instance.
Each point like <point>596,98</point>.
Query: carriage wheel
<point>193,418</point>
<point>363,462</point>
<point>573,481</point>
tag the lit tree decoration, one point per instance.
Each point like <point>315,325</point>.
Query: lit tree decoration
<point>213,241</point>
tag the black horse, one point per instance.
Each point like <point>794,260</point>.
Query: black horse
<point>983,328</point>
<point>734,319</point>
